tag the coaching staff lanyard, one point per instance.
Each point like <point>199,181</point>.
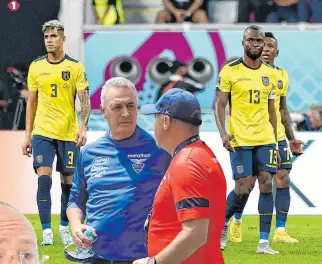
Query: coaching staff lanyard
<point>186,143</point>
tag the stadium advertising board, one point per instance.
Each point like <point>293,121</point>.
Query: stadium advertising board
<point>137,55</point>
<point>19,182</point>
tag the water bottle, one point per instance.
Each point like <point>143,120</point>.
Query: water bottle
<point>89,233</point>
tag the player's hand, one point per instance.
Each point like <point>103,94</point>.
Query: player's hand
<point>296,147</point>
<point>180,15</point>
<point>79,238</point>
<point>81,136</point>
<point>226,142</point>
<point>141,261</point>
<point>27,147</point>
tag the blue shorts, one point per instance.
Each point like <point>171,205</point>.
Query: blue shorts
<point>249,161</point>
<point>286,159</point>
<point>44,150</point>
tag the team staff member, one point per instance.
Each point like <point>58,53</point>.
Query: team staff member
<point>189,207</point>
<point>116,179</point>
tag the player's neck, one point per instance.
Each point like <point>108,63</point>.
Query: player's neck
<point>253,64</point>
<point>57,56</point>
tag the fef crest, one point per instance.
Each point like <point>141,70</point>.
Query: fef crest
<point>280,85</point>
<point>65,75</point>
<point>265,80</point>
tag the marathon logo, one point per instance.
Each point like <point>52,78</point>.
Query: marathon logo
<point>100,160</point>
<point>141,155</point>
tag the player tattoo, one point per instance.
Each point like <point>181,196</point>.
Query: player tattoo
<point>85,106</point>
<point>286,120</point>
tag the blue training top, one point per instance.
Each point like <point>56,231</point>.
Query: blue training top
<point>115,183</point>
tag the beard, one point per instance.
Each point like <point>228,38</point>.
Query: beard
<point>252,56</point>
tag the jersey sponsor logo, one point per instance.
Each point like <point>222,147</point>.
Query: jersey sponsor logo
<point>65,86</point>
<point>44,73</point>
<point>40,158</point>
<point>65,75</point>
<point>138,161</point>
<point>265,80</point>
<point>280,84</point>
<point>240,169</point>
<point>100,160</point>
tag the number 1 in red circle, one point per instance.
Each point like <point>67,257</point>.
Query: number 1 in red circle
<point>13,5</point>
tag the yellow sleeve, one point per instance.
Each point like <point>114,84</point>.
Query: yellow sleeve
<point>32,82</point>
<point>273,78</point>
<point>224,83</point>
<point>286,81</point>
<point>81,81</point>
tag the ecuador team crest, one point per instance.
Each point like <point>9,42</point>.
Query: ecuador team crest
<point>265,80</point>
<point>65,75</point>
<point>280,84</point>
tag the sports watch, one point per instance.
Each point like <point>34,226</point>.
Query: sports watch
<point>152,261</point>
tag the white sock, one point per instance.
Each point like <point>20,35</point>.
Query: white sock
<point>263,241</point>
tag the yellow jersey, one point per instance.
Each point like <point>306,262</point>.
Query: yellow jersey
<point>56,85</point>
<point>282,86</point>
<point>250,90</point>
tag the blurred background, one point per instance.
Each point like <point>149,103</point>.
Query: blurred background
<point>131,38</point>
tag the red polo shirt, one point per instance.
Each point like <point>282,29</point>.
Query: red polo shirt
<point>194,187</point>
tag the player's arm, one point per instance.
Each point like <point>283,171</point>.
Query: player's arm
<point>295,144</point>
<point>85,104</point>
<point>222,96</point>
<point>193,213</point>
<point>31,110</point>
<point>286,120</point>
<point>194,7</point>
<point>272,115</point>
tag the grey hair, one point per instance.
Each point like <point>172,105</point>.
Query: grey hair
<point>117,82</point>
<point>51,25</point>
<point>316,109</point>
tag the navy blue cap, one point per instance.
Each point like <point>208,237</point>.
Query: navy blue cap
<point>178,104</point>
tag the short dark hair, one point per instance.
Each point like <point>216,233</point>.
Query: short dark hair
<point>252,27</point>
<point>270,35</point>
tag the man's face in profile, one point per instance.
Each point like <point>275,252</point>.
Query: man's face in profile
<point>18,242</point>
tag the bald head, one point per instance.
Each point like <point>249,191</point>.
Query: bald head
<point>16,233</point>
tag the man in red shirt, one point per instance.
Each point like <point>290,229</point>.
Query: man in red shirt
<point>188,213</point>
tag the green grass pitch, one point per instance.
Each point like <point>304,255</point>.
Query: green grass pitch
<point>307,229</point>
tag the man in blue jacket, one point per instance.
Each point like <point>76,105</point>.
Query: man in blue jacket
<point>115,180</point>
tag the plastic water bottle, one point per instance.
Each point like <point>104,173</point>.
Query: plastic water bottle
<point>89,233</point>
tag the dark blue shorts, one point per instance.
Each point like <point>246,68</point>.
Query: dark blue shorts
<point>44,150</point>
<point>285,153</point>
<point>247,161</point>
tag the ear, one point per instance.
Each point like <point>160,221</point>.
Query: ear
<point>243,43</point>
<point>277,52</point>
<point>103,112</point>
<point>166,122</point>
<point>64,38</point>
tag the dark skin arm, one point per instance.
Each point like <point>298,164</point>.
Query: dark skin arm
<point>295,144</point>
<point>220,113</point>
